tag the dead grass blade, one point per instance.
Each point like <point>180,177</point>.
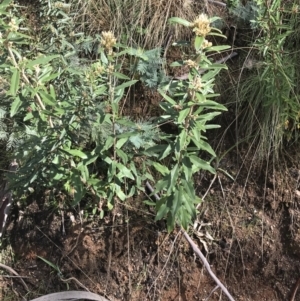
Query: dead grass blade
<point>139,22</point>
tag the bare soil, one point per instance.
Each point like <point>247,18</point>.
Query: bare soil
<point>248,229</point>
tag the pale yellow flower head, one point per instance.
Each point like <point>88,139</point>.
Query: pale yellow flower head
<point>197,84</point>
<point>191,64</point>
<point>37,70</point>
<point>206,44</point>
<point>286,124</point>
<point>110,68</point>
<point>108,41</point>
<point>201,26</point>
<point>13,25</point>
<point>98,68</point>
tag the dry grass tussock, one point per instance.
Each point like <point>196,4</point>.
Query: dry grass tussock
<point>142,22</point>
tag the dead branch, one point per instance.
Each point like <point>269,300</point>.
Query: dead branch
<point>206,264</point>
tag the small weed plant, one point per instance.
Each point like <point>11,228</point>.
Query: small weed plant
<point>64,116</point>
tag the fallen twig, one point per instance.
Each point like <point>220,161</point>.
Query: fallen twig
<point>295,289</point>
<point>10,270</point>
<point>199,253</point>
<point>217,2</point>
<point>75,280</point>
<point>10,276</point>
<point>206,264</point>
<point>212,292</point>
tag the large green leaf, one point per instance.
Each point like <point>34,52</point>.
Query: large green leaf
<point>120,75</point>
<point>75,153</point>
<point>122,155</point>
<point>218,48</point>
<point>188,207</point>
<point>91,158</point>
<point>84,172</point>
<point>184,218</point>
<point>111,170</point>
<point>157,149</point>
<point>15,81</point>
<point>199,164</point>
<point>47,98</point>
<point>78,190</point>
<point>162,211</point>
<point>161,184</point>
<point>104,59</point>
<point>183,139</point>
<point>166,97</point>
<point>176,201</point>
<point>198,42</point>
<point>126,84</point>
<point>183,114</point>
<point>165,152</point>
<point>188,188</point>
<point>161,168</point>
<point>15,106</point>
<point>173,177</point>
<point>5,3</point>
<point>121,142</point>
<point>124,172</point>
<point>179,21</point>
<point>177,64</point>
<point>18,38</point>
<point>187,168</point>
<point>42,60</point>
<point>170,222</point>
<point>121,195</point>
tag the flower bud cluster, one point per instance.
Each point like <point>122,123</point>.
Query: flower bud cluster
<point>108,41</point>
<point>201,26</point>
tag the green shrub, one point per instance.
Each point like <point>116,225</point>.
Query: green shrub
<point>74,137</point>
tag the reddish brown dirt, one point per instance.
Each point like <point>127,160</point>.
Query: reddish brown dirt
<point>254,223</point>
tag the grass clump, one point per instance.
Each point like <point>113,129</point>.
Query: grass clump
<point>268,106</point>
<point>136,22</point>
